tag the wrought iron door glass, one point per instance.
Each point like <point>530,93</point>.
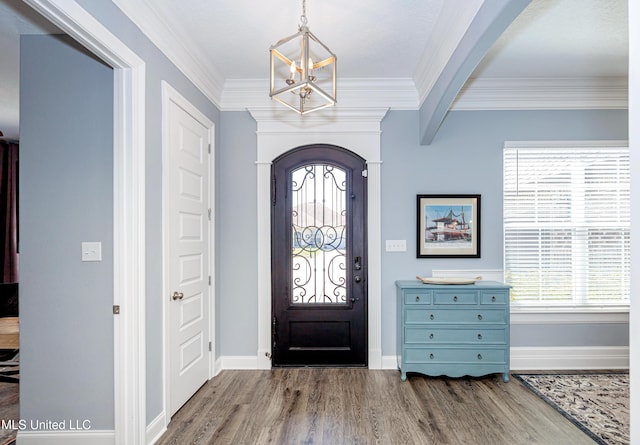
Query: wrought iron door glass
<point>319,231</point>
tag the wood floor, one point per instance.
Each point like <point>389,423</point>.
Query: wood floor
<point>360,406</point>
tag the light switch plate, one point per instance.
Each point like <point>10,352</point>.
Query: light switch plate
<point>396,245</point>
<point>92,251</point>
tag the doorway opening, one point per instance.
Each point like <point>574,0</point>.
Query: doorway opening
<point>319,258</point>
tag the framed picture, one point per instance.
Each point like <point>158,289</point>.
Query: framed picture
<point>448,226</point>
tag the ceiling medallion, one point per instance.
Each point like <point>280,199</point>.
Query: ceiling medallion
<point>303,71</point>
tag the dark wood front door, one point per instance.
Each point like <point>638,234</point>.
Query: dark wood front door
<point>319,266</point>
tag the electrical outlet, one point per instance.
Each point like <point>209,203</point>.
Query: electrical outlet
<point>396,245</point>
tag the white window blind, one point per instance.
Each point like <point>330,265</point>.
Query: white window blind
<point>567,224</point>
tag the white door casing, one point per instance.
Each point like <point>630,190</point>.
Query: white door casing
<point>187,248</point>
<point>357,130</point>
<point>129,216</point>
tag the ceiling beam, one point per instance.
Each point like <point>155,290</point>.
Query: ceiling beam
<point>493,17</point>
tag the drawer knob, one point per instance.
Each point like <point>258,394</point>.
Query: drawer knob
<point>430,336</point>
<point>479,356</point>
<point>479,316</point>
<point>493,299</point>
<point>431,356</point>
<point>417,298</point>
<point>479,336</point>
<point>431,317</point>
<point>455,298</point>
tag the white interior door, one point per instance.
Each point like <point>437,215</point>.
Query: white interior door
<point>188,254</point>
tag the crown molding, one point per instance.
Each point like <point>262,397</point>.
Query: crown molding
<point>182,52</point>
<point>559,93</point>
<point>398,94</point>
<point>352,120</point>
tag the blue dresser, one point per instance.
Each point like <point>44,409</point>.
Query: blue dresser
<point>453,330</point>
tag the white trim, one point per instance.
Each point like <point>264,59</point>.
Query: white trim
<point>185,55</point>
<point>522,358</point>
<point>398,94</point>
<point>170,94</point>
<point>129,210</point>
<point>355,130</point>
<point>566,144</point>
<point>390,362</point>
<point>105,437</point>
<point>568,315</point>
<point>634,138</point>
<point>244,362</point>
<point>569,357</point>
<point>218,366</point>
<point>543,94</point>
<point>156,428</point>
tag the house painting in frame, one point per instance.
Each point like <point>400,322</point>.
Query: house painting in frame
<point>448,226</point>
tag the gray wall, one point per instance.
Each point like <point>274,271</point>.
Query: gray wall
<point>66,197</point>
<point>465,157</point>
<point>238,236</point>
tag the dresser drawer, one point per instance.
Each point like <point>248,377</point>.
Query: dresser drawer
<point>450,355</point>
<point>455,297</point>
<point>454,330</point>
<point>458,316</point>
<point>454,335</point>
<point>417,297</point>
<point>494,297</point>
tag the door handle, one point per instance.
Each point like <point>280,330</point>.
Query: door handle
<point>357,265</point>
<point>177,295</point>
<point>357,278</point>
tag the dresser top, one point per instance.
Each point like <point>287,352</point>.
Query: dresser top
<point>415,284</point>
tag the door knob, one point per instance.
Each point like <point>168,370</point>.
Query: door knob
<point>357,278</point>
<point>177,295</point>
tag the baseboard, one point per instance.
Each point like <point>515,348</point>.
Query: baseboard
<point>389,362</point>
<point>557,358</point>
<point>239,362</point>
<point>522,358</point>
<point>251,362</point>
<point>569,357</point>
<point>98,437</point>
<point>156,428</point>
<point>218,366</point>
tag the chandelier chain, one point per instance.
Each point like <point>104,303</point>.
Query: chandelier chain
<point>303,17</point>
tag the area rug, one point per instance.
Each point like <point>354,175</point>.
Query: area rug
<point>598,404</point>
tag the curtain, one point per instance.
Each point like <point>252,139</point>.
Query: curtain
<point>9,205</point>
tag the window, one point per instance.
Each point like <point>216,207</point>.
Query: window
<point>567,223</point>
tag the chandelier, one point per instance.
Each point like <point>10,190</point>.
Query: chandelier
<point>303,71</point>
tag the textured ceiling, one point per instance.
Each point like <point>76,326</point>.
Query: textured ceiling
<point>563,38</point>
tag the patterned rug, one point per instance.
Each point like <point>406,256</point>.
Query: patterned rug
<point>598,404</point>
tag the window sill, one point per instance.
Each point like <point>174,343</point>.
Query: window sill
<point>521,314</point>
